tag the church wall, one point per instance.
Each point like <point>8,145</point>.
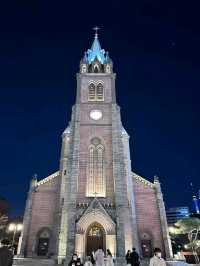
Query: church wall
<point>43,206</point>
<point>147,213</point>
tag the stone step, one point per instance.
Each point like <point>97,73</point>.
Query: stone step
<point>33,262</point>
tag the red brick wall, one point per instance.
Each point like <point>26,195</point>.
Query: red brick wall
<point>43,206</point>
<point>147,211</point>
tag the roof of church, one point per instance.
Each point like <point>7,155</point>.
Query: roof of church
<point>143,180</point>
<point>96,53</point>
<point>48,178</point>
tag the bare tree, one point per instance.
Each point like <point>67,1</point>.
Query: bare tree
<point>190,227</point>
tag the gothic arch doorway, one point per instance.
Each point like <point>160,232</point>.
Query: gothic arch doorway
<point>146,245</point>
<point>95,238</point>
<point>43,242</point>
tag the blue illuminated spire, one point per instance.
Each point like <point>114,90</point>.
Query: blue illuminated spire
<point>96,53</point>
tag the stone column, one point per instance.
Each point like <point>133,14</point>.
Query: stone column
<point>131,195</point>
<point>119,175</point>
<point>163,219</point>
<point>72,188</point>
<point>27,219</point>
<point>59,237</point>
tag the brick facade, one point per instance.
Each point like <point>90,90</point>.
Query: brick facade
<point>147,213</point>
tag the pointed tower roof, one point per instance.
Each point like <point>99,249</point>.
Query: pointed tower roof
<point>96,52</point>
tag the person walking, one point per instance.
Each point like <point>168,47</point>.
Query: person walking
<point>128,257</point>
<point>6,256</point>
<point>135,259</point>
<point>109,259</point>
<point>99,257</point>
<point>157,259</point>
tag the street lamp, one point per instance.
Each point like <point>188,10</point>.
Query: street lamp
<point>14,228</point>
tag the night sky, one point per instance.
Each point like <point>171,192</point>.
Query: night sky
<point>155,47</point>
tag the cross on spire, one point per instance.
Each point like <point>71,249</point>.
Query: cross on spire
<point>96,31</point>
<point>95,194</point>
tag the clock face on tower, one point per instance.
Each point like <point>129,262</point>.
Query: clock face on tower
<point>96,114</point>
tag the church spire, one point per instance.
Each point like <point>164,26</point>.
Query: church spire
<point>96,60</point>
<point>96,52</point>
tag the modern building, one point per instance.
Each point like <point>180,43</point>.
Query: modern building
<point>177,213</point>
<point>94,199</point>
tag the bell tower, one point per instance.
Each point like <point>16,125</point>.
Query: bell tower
<point>95,187</point>
<point>95,96</point>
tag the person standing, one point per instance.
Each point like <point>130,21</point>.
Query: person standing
<point>128,257</point>
<point>6,256</point>
<point>73,261</point>
<point>135,259</point>
<point>78,263</point>
<point>88,262</point>
<point>157,259</point>
<point>99,257</point>
<point>92,257</point>
<point>109,259</point>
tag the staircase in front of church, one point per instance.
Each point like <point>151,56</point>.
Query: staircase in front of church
<point>51,262</point>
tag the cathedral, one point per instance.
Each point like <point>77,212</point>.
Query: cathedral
<point>94,199</point>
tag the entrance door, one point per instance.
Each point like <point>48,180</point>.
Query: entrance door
<point>95,239</point>
<point>146,248</point>
<point>43,246</point>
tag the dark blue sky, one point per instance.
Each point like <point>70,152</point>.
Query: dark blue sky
<point>155,49</point>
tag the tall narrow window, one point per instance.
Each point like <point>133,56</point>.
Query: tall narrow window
<point>99,95</point>
<point>91,169</point>
<point>92,92</point>
<point>96,176</point>
<point>99,178</point>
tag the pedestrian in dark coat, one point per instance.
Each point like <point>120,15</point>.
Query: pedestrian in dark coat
<point>128,257</point>
<point>135,259</point>
<point>6,256</point>
<point>73,261</point>
<point>92,258</point>
<point>79,262</point>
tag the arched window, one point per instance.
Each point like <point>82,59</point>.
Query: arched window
<point>96,92</point>
<point>92,92</point>
<point>96,68</point>
<point>96,175</point>
<point>99,177</point>
<point>91,168</point>
<point>100,96</point>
